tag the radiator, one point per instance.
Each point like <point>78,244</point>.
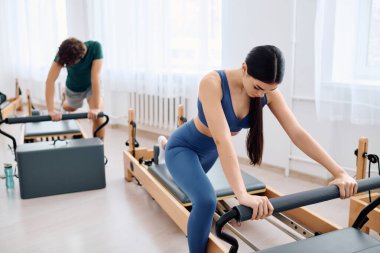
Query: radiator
<point>155,113</point>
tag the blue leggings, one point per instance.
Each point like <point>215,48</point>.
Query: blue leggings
<point>189,155</point>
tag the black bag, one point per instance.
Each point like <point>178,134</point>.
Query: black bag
<point>3,98</point>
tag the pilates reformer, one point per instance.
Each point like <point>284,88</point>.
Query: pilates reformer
<point>12,104</point>
<point>348,240</point>
<point>49,130</point>
<point>140,163</point>
<point>59,166</point>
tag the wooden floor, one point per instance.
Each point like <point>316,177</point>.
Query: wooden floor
<point>122,217</point>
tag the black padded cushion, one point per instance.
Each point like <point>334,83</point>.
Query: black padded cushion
<point>348,240</point>
<point>216,176</point>
<point>49,128</point>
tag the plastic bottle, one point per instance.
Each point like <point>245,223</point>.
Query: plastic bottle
<point>8,171</point>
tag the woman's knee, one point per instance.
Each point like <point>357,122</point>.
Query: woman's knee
<point>205,202</point>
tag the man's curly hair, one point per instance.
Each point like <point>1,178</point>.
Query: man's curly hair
<point>70,52</point>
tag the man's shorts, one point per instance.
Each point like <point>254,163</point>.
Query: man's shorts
<point>75,99</point>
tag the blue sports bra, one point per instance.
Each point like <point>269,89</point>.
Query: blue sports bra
<point>233,122</point>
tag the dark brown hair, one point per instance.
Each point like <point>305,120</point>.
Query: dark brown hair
<point>266,64</point>
<point>70,52</point>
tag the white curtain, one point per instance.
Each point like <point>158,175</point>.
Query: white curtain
<point>158,47</point>
<point>154,47</point>
<point>342,93</point>
<point>31,31</point>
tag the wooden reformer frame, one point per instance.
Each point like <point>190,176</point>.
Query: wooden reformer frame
<point>14,104</point>
<point>178,212</point>
<point>359,201</point>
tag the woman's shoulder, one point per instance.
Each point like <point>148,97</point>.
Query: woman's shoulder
<point>273,96</point>
<point>210,84</point>
<point>211,80</point>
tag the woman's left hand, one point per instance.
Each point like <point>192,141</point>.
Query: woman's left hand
<point>347,185</point>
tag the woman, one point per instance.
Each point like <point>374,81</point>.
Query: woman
<point>83,61</point>
<point>229,101</point>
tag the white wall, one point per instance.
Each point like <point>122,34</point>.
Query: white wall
<point>249,23</point>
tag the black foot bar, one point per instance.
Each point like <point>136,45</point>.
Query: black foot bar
<point>31,119</point>
<point>292,201</point>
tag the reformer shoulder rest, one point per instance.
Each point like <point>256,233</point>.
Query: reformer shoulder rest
<point>51,128</point>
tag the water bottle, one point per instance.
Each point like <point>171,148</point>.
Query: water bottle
<point>156,152</point>
<point>8,171</point>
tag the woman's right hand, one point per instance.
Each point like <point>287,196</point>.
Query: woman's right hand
<point>260,205</point>
<point>55,116</point>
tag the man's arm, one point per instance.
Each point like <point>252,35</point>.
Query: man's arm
<point>54,71</point>
<point>95,85</point>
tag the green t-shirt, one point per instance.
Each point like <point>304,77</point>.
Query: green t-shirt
<point>79,75</point>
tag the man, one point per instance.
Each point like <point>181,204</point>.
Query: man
<point>83,61</point>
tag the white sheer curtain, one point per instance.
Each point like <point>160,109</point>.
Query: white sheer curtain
<point>343,91</point>
<point>31,31</point>
<point>156,47</point>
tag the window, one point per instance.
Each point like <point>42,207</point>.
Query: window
<point>356,36</point>
<point>39,28</point>
<point>347,62</point>
<point>188,47</point>
<point>368,45</point>
<point>162,36</point>
<point>33,30</point>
